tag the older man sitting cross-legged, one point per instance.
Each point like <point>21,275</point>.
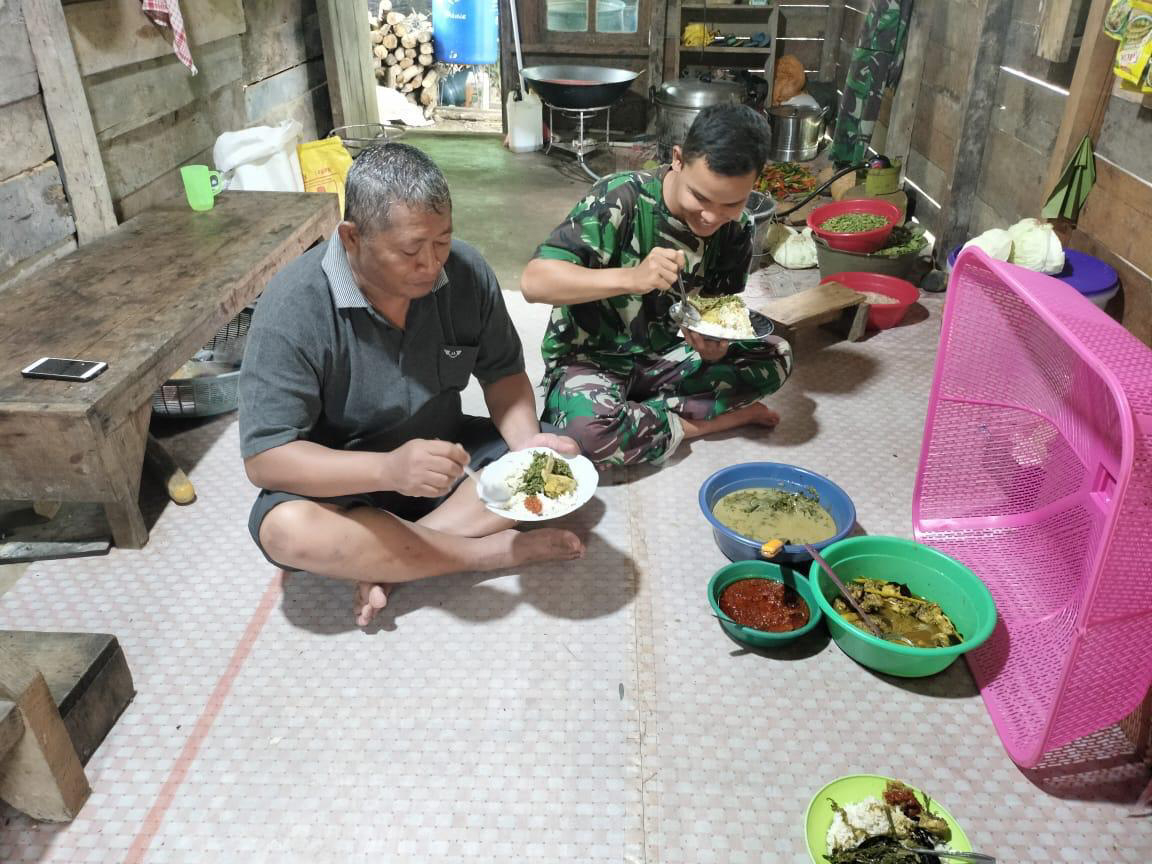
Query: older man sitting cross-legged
<point>350,413</point>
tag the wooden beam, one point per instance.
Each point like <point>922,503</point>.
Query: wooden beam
<point>509,75</point>
<point>832,34</point>
<point>1058,29</point>
<point>656,27</point>
<point>42,775</point>
<point>898,144</point>
<point>979,101</point>
<point>347,47</point>
<point>1089,94</point>
<point>18,80</point>
<point>69,119</point>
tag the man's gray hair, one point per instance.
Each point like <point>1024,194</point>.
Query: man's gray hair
<point>389,174</point>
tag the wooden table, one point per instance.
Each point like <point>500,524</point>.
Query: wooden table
<point>144,299</point>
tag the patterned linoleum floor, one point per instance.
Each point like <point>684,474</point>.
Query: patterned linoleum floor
<point>589,712</point>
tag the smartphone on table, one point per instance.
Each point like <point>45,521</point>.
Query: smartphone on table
<point>64,369</point>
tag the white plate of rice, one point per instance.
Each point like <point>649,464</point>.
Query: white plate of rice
<point>729,319</point>
<point>510,468</point>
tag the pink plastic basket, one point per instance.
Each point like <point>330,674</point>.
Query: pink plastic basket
<point>1036,472</point>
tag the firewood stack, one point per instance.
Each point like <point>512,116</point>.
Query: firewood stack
<point>402,54</point>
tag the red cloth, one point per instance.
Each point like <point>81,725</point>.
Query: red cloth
<point>166,13</point>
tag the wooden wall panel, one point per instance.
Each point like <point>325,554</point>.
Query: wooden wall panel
<point>24,138</point>
<point>132,96</point>
<point>108,34</point>
<point>17,68</point>
<point>1012,177</point>
<point>1118,213</point>
<point>34,214</point>
<point>280,34</point>
<point>261,98</point>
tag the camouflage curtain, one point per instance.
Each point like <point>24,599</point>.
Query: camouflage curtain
<point>876,64</point>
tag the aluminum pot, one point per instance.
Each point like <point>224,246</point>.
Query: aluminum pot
<point>678,102</point>
<point>796,132</point>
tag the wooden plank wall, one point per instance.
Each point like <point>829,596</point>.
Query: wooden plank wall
<point>260,62</point>
<point>36,221</point>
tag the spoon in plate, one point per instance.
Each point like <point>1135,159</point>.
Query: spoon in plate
<point>941,855</point>
<point>864,617</point>
<point>495,493</point>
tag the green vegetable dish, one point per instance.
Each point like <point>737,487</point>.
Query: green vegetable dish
<point>905,240</point>
<point>896,611</point>
<point>764,514</point>
<point>546,475</point>
<point>853,223</point>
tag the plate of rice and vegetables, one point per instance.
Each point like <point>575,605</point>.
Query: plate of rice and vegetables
<point>722,317</point>
<point>544,484</point>
<point>869,819</point>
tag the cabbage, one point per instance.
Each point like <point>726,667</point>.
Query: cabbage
<point>995,243</point>
<point>792,249</point>
<point>1036,246</point>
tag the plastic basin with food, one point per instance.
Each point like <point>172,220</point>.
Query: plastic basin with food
<point>881,316</point>
<point>853,789</point>
<point>773,475</point>
<point>855,241</point>
<point>927,573</point>
<point>740,570</point>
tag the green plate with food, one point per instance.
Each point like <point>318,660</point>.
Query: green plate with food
<point>543,483</point>
<point>866,819</point>
<point>723,317</point>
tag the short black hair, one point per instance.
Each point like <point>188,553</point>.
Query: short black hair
<point>734,139</point>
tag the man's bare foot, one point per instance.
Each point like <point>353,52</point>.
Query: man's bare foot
<point>756,414</point>
<point>371,597</point>
<point>513,548</point>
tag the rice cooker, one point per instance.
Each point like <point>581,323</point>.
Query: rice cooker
<point>678,102</point>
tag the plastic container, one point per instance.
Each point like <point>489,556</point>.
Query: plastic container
<point>881,316</point>
<point>466,31</point>
<point>525,123</point>
<point>1035,471</point>
<point>730,573</point>
<point>860,241</point>
<point>1094,279</point>
<point>773,475</point>
<point>261,158</point>
<point>927,573</point>
<point>833,261</point>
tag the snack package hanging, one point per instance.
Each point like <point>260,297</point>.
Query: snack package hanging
<point>1117,19</point>
<point>324,165</point>
<point>1134,52</point>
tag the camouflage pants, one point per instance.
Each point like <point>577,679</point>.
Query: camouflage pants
<point>626,409</point>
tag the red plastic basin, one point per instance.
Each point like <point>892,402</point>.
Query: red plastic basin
<point>881,317</point>
<point>862,241</point>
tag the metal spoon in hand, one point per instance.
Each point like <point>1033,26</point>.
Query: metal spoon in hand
<point>495,493</point>
<point>864,617</point>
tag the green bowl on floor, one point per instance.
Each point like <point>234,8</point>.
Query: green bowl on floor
<point>738,570</point>
<point>928,574</point>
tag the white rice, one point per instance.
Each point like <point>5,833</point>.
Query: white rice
<point>867,818</point>
<point>877,299</point>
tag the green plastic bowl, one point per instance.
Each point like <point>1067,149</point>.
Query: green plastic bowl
<point>927,573</point>
<point>738,570</point>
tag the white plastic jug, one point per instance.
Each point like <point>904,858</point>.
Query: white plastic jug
<point>262,158</point>
<point>525,123</point>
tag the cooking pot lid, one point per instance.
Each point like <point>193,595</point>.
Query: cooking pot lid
<point>693,93</point>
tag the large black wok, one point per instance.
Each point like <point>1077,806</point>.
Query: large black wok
<point>578,87</point>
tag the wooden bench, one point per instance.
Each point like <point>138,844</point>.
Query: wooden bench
<point>144,299</point>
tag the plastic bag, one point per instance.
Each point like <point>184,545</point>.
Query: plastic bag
<point>324,165</point>
<point>261,159</point>
<point>1135,51</point>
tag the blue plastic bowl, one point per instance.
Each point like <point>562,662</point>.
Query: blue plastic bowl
<point>773,474</point>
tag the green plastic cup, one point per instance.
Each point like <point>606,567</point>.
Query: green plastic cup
<point>201,186</point>
<point>927,573</point>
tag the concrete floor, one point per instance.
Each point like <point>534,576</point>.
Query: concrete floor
<point>589,712</point>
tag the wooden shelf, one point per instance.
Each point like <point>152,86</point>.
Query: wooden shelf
<point>687,51</point>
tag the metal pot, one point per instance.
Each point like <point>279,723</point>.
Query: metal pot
<point>796,132</point>
<point>678,103</point>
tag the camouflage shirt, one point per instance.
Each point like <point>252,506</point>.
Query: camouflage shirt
<point>621,220</point>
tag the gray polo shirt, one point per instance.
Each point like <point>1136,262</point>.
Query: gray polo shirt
<point>322,365</point>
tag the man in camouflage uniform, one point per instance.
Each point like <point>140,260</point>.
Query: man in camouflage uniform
<point>877,61</point>
<point>621,376</point>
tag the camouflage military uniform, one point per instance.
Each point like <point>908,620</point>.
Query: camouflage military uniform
<point>876,63</point>
<point>618,371</point>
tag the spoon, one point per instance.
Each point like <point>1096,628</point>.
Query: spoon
<point>689,316</point>
<point>497,494</point>
<point>959,856</point>
<point>816,556</point>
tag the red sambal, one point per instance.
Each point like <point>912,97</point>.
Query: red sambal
<point>764,604</point>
